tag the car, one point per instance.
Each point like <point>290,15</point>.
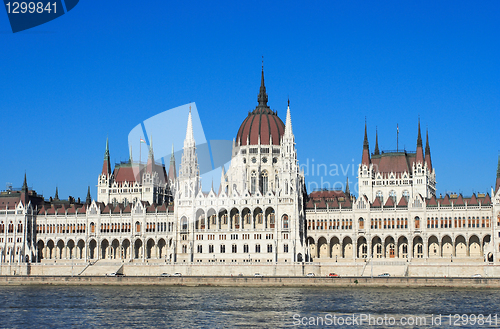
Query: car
<point>177,274</point>
<point>115,274</point>
<point>477,275</point>
<point>258,275</point>
<point>333,275</point>
<point>164,274</point>
<point>384,275</point>
<point>310,274</point>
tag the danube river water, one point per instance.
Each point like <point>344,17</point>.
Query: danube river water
<point>219,307</point>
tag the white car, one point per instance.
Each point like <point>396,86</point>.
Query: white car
<point>310,274</point>
<point>258,275</point>
<point>177,274</point>
<point>477,275</point>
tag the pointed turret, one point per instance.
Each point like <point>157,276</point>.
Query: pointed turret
<point>130,159</point>
<point>377,151</point>
<point>24,191</point>
<point>189,140</point>
<point>151,157</point>
<point>172,171</point>
<point>497,187</point>
<point>420,151</point>
<point>365,160</point>
<point>262,97</point>
<point>89,198</point>
<point>25,184</point>
<point>428,160</point>
<point>347,190</point>
<point>288,124</point>
<point>106,166</point>
<point>56,196</point>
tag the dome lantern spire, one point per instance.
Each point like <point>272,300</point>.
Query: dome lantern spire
<point>262,98</point>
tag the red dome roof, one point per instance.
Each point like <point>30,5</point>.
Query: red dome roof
<point>262,122</point>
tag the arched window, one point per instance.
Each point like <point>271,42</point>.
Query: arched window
<point>253,182</point>
<point>285,221</point>
<point>417,222</point>
<point>125,202</point>
<point>264,179</point>
<point>392,194</point>
<point>137,227</point>
<point>406,195</point>
<point>361,222</point>
<point>115,202</point>
<point>380,196</point>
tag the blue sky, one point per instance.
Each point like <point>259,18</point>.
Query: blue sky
<point>103,68</point>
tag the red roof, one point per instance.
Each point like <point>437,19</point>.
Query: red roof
<point>389,202</point>
<point>473,200</point>
<point>395,162</point>
<point>376,203</point>
<point>263,123</point>
<point>403,202</point>
<point>432,202</point>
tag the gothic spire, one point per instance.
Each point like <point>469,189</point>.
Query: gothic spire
<point>377,151</point>
<point>25,184</point>
<point>365,142</point>
<point>347,191</point>
<point>189,141</point>
<point>172,174</point>
<point>56,196</point>
<point>151,154</point>
<point>288,124</point>
<point>498,167</point>
<point>420,151</point>
<point>262,98</point>
<point>89,198</point>
<point>365,159</point>
<point>428,151</point>
<point>419,138</point>
<point>106,165</point>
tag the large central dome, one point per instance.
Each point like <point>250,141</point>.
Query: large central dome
<point>261,123</point>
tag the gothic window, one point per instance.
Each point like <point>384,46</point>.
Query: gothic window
<point>406,195</point>
<point>285,221</point>
<point>125,202</point>
<point>245,248</point>
<point>257,248</point>
<point>361,222</point>
<point>392,194</point>
<point>380,196</point>
<point>222,249</point>
<point>285,248</point>
<point>264,182</point>
<point>200,249</point>
<point>259,218</point>
<point>115,202</point>
<point>234,249</point>
<point>253,182</point>
<point>211,249</point>
<point>269,248</point>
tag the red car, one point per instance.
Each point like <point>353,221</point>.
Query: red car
<point>333,275</point>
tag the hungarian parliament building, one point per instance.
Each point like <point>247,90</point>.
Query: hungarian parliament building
<point>260,213</point>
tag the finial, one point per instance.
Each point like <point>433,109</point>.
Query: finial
<point>288,101</point>
<point>262,62</point>
<point>189,108</point>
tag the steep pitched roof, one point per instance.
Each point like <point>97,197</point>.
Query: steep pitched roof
<point>402,202</point>
<point>432,202</point>
<point>376,203</point>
